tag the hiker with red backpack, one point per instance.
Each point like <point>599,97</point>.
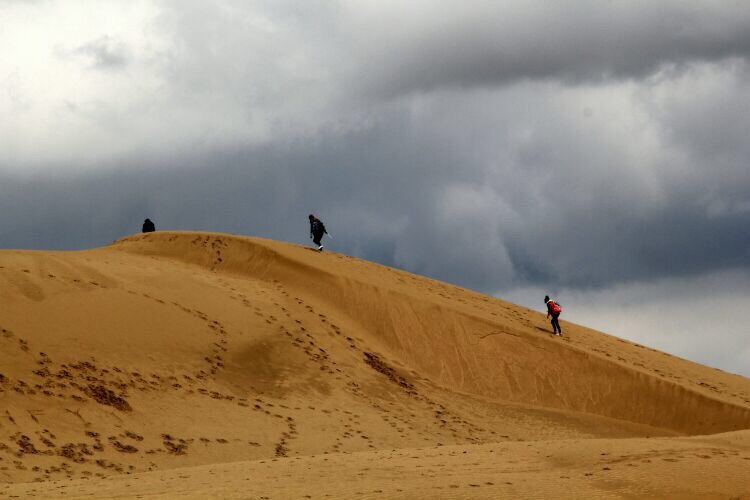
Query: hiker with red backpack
<point>554,310</point>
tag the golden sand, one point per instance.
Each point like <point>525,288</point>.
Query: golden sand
<point>200,365</point>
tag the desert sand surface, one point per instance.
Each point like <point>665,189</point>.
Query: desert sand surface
<point>200,365</point>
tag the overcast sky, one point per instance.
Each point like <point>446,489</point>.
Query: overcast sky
<point>595,150</point>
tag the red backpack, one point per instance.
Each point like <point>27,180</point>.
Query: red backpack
<point>554,307</point>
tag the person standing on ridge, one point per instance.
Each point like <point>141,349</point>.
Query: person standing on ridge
<point>554,310</point>
<point>317,230</point>
<point>148,226</point>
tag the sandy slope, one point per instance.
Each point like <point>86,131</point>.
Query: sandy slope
<point>193,350</point>
<point>697,467</point>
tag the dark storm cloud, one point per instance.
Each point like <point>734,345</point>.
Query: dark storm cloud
<point>533,176</point>
<point>488,43</point>
<point>407,191</point>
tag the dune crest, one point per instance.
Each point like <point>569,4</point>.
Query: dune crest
<point>183,349</point>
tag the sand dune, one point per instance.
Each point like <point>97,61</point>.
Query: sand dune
<point>216,365</point>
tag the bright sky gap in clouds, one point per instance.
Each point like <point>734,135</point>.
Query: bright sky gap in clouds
<point>595,150</point>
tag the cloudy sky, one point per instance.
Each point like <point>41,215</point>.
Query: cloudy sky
<point>595,150</point>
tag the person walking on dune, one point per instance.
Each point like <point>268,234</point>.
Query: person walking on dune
<point>317,230</point>
<point>554,310</point>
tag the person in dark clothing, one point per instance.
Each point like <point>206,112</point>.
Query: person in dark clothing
<point>317,230</point>
<point>554,310</point>
<point>148,226</point>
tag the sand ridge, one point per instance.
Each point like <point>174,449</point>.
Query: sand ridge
<point>182,350</point>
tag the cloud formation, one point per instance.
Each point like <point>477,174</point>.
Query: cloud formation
<point>104,53</point>
<point>423,48</point>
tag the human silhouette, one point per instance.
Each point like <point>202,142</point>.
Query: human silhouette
<point>148,226</point>
<point>317,230</point>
